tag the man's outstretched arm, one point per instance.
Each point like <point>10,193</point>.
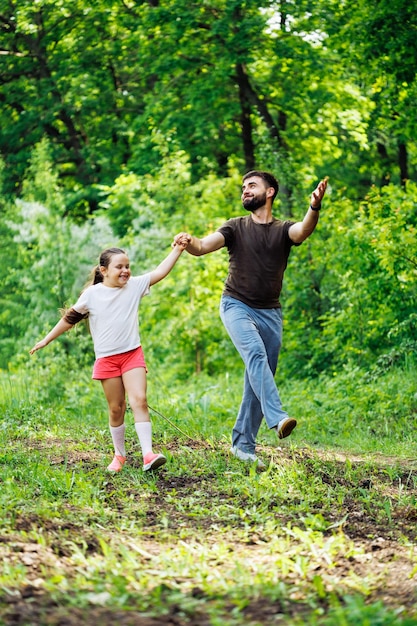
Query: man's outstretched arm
<point>198,247</point>
<point>299,231</point>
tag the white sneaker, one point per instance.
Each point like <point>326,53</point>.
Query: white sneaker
<point>286,426</point>
<point>248,457</point>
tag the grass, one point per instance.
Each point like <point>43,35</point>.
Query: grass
<point>327,535</point>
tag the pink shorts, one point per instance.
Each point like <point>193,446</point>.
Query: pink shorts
<point>117,364</point>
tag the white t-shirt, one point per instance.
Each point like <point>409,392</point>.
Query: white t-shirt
<point>113,314</point>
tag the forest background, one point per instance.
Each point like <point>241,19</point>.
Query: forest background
<point>126,122</point>
<point>123,123</point>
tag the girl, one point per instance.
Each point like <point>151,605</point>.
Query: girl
<point>111,301</point>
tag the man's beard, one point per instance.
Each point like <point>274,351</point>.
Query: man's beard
<point>255,202</point>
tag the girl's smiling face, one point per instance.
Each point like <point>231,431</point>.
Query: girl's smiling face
<point>118,271</point>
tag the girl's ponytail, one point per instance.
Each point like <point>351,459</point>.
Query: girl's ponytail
<point>97,276</point>
<point>94,277</point>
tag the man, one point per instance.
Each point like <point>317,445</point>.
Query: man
<point>259,246</point>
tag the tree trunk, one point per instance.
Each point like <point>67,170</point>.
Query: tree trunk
<point>246,126</point>
<point>403,162</point>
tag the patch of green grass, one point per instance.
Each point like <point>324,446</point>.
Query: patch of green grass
<point>206,536</point>
<point>355,413</point>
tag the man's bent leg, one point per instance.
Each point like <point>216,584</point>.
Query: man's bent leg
<point>270,327</point>
<point>243,323</point>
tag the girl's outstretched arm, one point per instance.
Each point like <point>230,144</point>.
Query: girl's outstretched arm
<point>57,330</point>
<point>168,263</point>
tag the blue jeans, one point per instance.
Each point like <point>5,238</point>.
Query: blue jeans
<point>257,336</point>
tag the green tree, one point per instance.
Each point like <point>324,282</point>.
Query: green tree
<point>378,40</point>
<point>51,255</point>
<point>68,76</point>
<point>115,87</point>
<point>350,294</point>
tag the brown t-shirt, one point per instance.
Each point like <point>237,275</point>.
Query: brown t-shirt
<point>258,256</point>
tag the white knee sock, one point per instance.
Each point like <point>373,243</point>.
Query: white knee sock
<point>118,437</point>
<point>144,432</point>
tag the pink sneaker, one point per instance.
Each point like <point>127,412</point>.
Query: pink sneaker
<point>117,463</point>
<point>152,461</point>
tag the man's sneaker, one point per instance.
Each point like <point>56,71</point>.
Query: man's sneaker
<point>286,426</point>
<point>151,461</point>
<point>117,463</point>
<point>248,457</point>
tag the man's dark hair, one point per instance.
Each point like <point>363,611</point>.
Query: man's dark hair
<point>267,177</point>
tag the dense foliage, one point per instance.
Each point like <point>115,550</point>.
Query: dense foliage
<point>128,122</point>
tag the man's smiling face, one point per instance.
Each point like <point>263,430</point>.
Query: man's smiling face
<point>254,193</point>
